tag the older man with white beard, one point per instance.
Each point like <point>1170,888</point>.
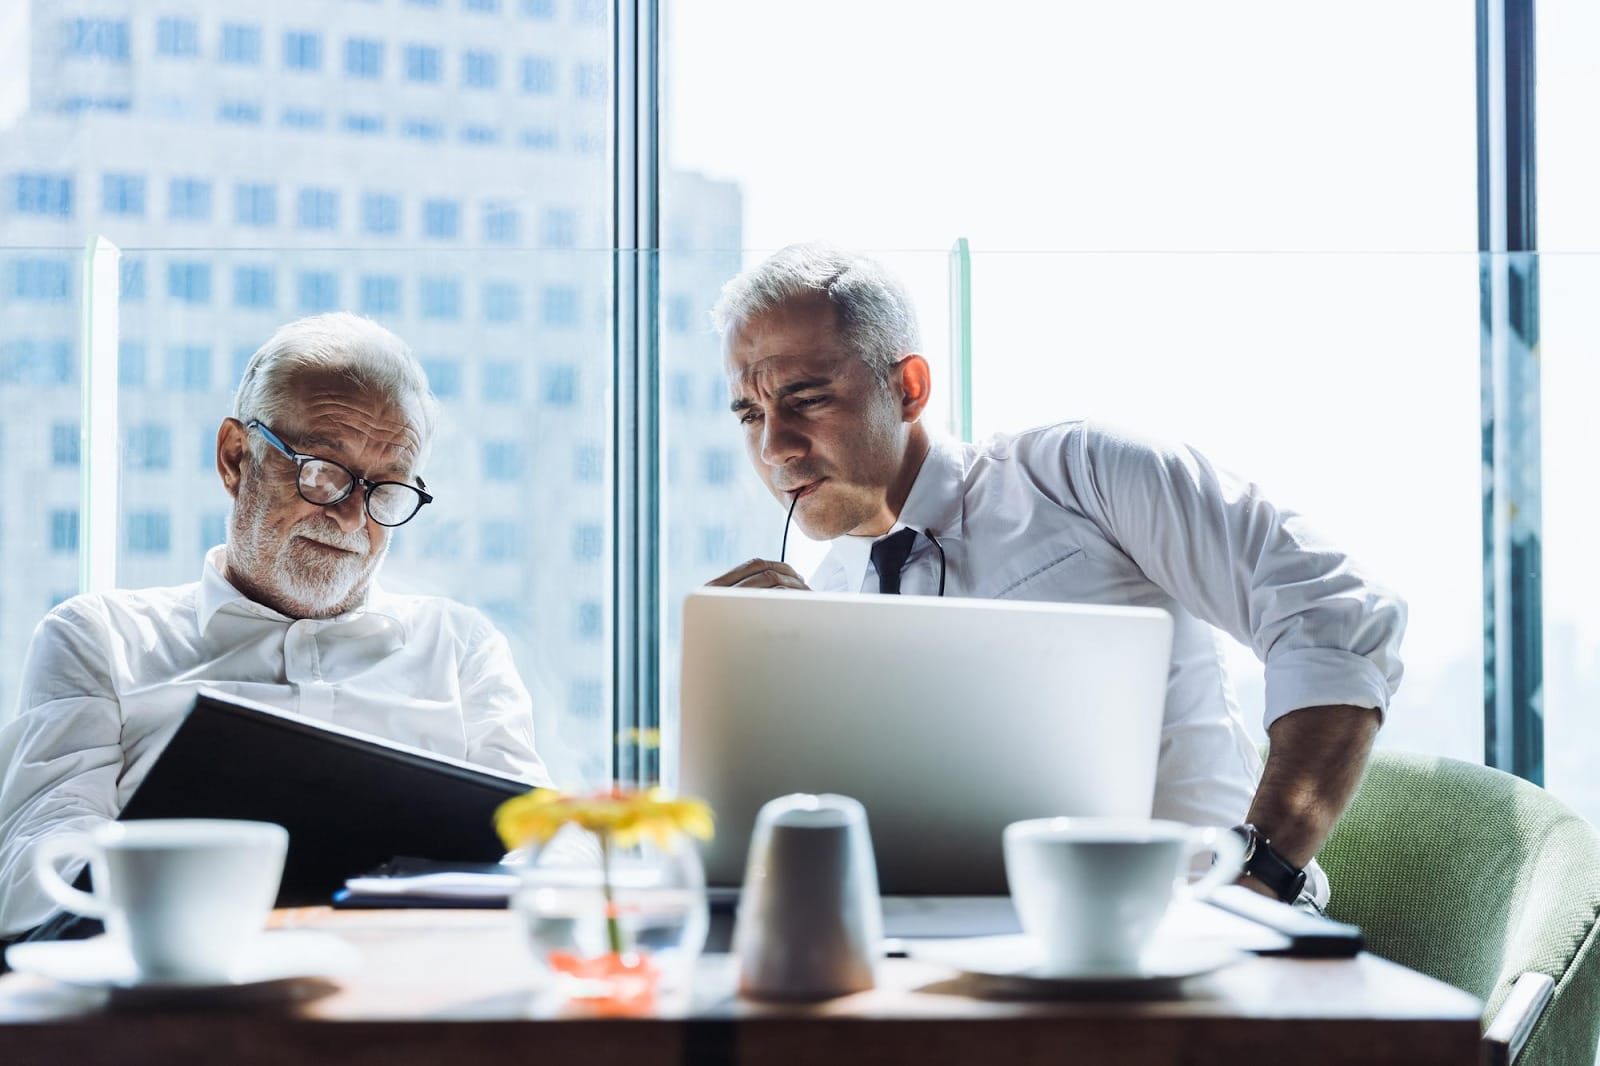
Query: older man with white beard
<point>331,426</point>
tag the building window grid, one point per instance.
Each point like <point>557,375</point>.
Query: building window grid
<point>177,37</point>
<point>302,50</point>
<point>92,38</point>
<point>255,204</point>
<point>561,385</point>
<point>41,280</point>
<point>558,306</point>
<point>64,444</point>
<point>64,530</point>
<point>501,224</point>
<point>241,44</point>
<point>480,70</point>
<point>380,214</point>
<point>441,219</point>
<point>424,63</point>
<point>363,58</point>
<point>130,364</point>
<point>240,112</point>
<point>318,209</point>
<point>254,287</point>
<point>538,75</point>
<point>189,282</point>
<point>122,194</point>
<point>189,199</point>
<point>304,118</point>
<point>42,194</point>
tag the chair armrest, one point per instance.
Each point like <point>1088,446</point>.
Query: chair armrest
<point>1516,1017</point>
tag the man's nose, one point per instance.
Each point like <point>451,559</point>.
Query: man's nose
<point>781,443</point>
<point>350,512</point>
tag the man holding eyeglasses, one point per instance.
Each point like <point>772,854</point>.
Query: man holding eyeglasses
<point>820,349</point>
<point>322,457</point>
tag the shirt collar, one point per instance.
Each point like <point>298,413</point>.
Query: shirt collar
<point>934,505</point>
<point>217,592</point>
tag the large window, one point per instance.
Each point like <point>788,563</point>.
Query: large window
<point>1569,325</point>
<point>1282,276</point>
<point>321,207</point>
<point>1189,219</point>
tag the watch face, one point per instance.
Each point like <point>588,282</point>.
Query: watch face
<point>1250,837</point>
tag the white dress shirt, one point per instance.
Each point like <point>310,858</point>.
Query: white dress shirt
<point>107,677</point>
<point>1081,512</point>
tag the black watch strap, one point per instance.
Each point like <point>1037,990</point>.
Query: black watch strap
<point>1267,865</point>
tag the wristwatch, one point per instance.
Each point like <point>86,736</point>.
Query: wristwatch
<point>1266,864</point>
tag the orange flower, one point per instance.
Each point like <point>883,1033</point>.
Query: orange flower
<point>620,817</point>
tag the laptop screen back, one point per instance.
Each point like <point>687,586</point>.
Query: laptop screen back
<point>947,718</point>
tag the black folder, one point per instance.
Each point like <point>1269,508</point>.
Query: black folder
<point>349,800</point>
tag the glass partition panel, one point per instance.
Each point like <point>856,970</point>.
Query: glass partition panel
<point>1569,361</point>
<point>441,168</point>
<point>1570,364</point>
<point>1338,364</point>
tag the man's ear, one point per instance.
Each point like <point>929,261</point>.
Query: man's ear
<point>233,451</point>
<point>916,384</point>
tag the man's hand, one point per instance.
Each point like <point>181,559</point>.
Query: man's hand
<point>1313,767</point>
<point>761,574</point>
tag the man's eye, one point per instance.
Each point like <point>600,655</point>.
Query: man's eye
<point>809,401</point>
<point>747,417</point>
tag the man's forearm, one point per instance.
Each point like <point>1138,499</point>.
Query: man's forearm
<point>1313,768</point>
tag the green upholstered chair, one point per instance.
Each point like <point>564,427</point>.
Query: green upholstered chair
<point>1478,878</point>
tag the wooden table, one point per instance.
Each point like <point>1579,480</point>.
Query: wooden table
<point>453,987</point>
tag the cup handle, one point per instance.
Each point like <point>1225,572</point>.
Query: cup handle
<point>1227,854</point>
<point>63,845</point>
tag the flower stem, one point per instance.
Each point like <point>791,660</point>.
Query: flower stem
<point>613,927</point>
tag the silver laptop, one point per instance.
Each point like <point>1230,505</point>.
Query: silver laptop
<point>947,718</point>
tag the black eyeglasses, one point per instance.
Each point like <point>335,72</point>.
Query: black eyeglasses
<point>328,484</point>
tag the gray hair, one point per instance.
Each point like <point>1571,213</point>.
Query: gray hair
<point>875,315</point>
<point>369,356</point>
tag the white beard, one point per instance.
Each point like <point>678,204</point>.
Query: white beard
<point>314,583</point>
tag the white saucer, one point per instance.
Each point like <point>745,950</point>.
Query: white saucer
<point>1014,961</point>
<point>104,962</point>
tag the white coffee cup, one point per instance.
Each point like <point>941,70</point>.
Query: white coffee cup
<point>810,920</point>
<point>188,896</point>
<point>1091,891</point>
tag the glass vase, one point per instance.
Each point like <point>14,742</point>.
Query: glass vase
<point>614,930</point>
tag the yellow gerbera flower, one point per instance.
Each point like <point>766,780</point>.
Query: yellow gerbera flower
<point>620,816</point>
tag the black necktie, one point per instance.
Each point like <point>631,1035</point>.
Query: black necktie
<point>889,556</point>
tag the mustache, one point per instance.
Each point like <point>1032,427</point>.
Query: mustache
<point>327,532</point>
<point>799,479</point>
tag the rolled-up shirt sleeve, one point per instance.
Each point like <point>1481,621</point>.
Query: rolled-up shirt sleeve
<point>1327,632</point>
<point>60,756</point>
<point>496,710</point>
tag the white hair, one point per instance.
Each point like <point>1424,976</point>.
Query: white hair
<point>876,319</point>
<point>369,356</point>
